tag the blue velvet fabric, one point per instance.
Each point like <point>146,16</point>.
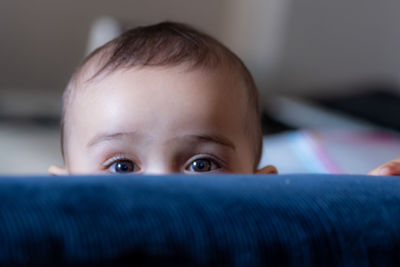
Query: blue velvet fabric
<point>226,220</point>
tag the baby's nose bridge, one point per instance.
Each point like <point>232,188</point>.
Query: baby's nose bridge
<point>158,171</point>
<point>162,157</point>
<point>160,162</point>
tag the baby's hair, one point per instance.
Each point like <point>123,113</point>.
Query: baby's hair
<point>165,44</point>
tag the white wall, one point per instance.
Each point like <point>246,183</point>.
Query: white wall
<point>333,43</point>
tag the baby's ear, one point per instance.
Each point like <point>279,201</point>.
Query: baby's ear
<point>55,170</point>
<point>270,169</point>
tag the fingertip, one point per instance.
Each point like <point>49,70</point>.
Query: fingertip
<point>385,171</point>
<point>55,170</point>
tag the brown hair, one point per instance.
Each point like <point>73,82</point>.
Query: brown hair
<point>166,44</point>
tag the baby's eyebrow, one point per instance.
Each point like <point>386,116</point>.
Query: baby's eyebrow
<point>202,138</point>
<point>221,140</point>
<point>111,136</point>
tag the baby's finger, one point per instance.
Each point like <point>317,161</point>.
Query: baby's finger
<point>392,168</point>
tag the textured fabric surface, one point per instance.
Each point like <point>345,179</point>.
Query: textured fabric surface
<point>285,220</point>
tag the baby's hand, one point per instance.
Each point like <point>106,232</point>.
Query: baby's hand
<point>391,168</point>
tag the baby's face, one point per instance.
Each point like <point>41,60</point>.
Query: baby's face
<point>160,120</point>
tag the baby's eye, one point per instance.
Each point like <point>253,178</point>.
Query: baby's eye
<point>123,166</point>
<point>203,165</point>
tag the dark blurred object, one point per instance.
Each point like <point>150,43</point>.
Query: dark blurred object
<point>380,107</point>
<point>271,125</point>
<point>27,106</point>
<point>50,121</point>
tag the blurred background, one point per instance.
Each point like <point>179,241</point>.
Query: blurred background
<point>328,73</point>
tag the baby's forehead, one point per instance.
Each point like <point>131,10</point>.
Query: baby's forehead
<point>143,96</point>
<point>190,92</point>
<point>213,90</point>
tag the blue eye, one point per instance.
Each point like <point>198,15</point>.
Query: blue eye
<point>203,165</point>
<point>122,166</point>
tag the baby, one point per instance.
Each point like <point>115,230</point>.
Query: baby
<point>163,99</point>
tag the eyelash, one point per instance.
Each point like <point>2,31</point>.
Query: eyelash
<point>109,162</point>
<point>220,164</point>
